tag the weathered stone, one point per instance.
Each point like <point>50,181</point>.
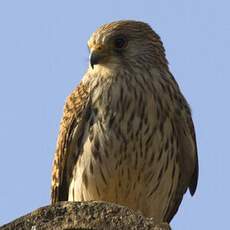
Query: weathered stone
<point>84,215</point>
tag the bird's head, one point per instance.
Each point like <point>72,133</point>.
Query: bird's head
<point>126,43</point>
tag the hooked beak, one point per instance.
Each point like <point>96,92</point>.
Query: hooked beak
<point>96,57</point>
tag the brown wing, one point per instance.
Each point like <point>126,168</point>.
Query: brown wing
<point>69,141</point>
<point>194,178</point>
<point>187,160</point>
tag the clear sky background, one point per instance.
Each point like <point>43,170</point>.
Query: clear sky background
<point>43,55</point>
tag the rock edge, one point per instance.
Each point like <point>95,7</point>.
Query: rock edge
<point>84,215</point>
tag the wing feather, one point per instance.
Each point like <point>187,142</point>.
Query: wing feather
<point>187,160</point>
<point>70,133</point>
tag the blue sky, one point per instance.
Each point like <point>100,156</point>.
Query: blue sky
<point>43,55</point>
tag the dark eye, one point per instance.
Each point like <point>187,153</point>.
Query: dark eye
<point>120,42</point>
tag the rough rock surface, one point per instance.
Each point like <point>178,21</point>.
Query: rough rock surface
<point>84,215</point>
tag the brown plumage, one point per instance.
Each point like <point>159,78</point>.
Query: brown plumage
<point>127,134</point>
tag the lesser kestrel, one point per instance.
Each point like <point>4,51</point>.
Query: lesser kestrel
<point>126,135</point>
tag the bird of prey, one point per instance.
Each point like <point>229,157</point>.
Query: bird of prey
<point>127,134</point>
